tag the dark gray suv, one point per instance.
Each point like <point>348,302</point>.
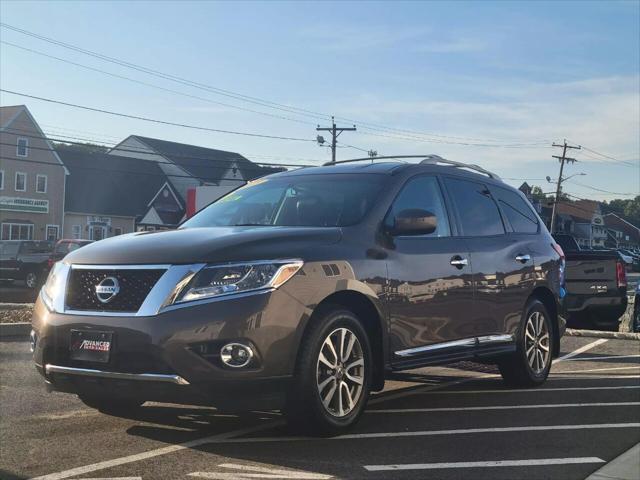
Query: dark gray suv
<point>302,290</point>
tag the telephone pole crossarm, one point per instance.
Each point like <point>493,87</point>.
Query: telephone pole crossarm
<point>335,133</point>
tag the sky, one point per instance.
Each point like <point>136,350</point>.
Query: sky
<point>490,83</point>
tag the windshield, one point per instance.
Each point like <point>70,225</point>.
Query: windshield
<point>305,200</point>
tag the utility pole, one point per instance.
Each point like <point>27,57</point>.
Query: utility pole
<point>561,159</point>
<point>335,133</point>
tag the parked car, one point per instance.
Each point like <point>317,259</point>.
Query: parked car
<point>301,290</point>
<point>635,325</point>
<point>634,257</point>
<point>596,286</point>
<point>628,259</point>
<point>24,260</point>
<point>65,246</point>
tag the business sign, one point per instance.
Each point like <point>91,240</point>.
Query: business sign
<point>95,220</point>
<point>18,204</point>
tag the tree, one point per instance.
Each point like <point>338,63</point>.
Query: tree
<point>85,147</point>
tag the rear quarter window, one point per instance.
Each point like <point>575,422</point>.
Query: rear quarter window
<point>517,210</point>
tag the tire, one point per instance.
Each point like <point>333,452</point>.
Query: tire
<point>111,405</point>
<point>31,280</point>
<point>529,366</point>
<point>327,397</point>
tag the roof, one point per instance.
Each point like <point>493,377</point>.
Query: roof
<point>614,222</point>
<point>104,184</point>
<point>583,210</point>
<point>207,164</point>
<point>9,113</point>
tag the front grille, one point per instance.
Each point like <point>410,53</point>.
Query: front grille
<point>134,286</point>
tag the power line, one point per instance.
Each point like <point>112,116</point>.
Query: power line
<point>147,152</point>
<point>153,120</point>
<point>158,87</point>
<point>228,93</point>
<point>600,190</point>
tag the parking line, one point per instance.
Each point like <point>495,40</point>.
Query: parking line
<point>533,390</point>
<point>429,433</point>
<point>490,464</point>
<point>505,407</point>
<point>155,453</point>
<point>580,350</point>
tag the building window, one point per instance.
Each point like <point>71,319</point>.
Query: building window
<point>76,231</point>
<point>17,231</point>
<point>21,182</point>
<point>117,231</point>
<point>41,183</point>
<point>1,179</point>
<point>52,232</point>
<point>22,149</point>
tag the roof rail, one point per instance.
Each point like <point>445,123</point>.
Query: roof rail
<point>435,159</point>
<point>426,159</point>
<point>373,159</point>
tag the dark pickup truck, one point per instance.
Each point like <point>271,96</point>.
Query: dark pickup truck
<point>25,260</point>
<point>596,285</point>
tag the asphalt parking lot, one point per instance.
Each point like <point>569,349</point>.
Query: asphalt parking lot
<point>454,422</point>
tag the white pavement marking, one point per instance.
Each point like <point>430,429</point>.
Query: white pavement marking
<point>580,350</point>
<point>250,471</point>
<point>595,359</point>
<point>600,369</point>
<point>428,433</point>
<point>535,390</point>
<point>505,407</point>
<point>155,453</point>
<point>491,464</point>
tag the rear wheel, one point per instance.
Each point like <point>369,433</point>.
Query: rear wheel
<point>112,405</point>
<point>529,366</point>
<point>333,375</point>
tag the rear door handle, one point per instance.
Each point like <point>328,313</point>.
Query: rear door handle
<point>459,262</point>
<point>523,258</point>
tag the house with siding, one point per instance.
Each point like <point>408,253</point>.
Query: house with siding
<point>32,179</point>
<point>622,234</point>
<point>106,195</point>
<point>186,167</point>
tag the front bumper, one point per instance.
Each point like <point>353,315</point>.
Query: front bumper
<point>158,357</point>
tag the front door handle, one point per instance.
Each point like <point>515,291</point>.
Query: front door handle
<point>523,258</point>
<point>459,262</point>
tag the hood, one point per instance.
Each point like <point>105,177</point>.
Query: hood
<point>205,245</point>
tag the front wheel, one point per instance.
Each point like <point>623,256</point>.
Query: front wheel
<point>333,375</point>
<point>529,366</point>
<point>31,280</point>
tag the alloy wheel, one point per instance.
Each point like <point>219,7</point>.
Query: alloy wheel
<point>31,280</point>
<point>340,372</point>
<point>536,342</point>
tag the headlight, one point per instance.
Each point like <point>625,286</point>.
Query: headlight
<point>218,280</point>
<point>54,286</point>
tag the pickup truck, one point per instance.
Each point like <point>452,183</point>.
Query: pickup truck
<point>596,285</point>
<point>25,260</point>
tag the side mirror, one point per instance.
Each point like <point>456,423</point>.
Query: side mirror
<point>414,222</point>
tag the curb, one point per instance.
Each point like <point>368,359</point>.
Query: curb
<point>570,332</point>
<point>624,467</point>
<point>15,329</point>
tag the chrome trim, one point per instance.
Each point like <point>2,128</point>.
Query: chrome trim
<point>81,266</point>
<point>86,372</point>
<point>217,298</point>
<point>495,339</point>
<point>465,342</point>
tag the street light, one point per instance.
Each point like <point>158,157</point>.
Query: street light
<point>567,178</point>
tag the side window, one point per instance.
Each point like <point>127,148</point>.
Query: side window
<point>519,213</point>
<point>477,211</point>
<point>424,193</point>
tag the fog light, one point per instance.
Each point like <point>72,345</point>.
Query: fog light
<point>236,355</point>
<point>33,339</point>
